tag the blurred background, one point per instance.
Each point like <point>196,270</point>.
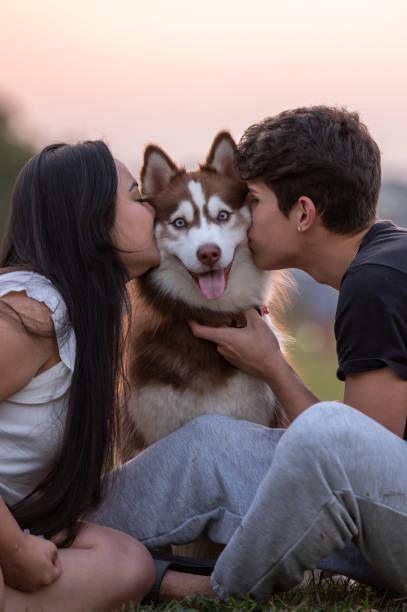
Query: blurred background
<point>175,73</point>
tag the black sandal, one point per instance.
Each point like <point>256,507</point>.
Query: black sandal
<point>186,565</point>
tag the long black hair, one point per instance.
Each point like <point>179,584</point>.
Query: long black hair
<point>63,209</point>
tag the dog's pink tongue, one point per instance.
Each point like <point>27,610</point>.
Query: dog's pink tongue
<point>212,284</point>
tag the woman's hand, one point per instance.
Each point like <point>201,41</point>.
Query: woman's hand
<point>31,563</point>
<point>253,348</point>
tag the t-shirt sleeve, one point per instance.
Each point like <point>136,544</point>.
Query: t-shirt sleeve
<point>371,321</point>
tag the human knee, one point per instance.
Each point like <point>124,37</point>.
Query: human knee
<point>206,425</point>
<point>323,428</point>
<point>125,563</point>
<point>133,566</point>
<point>205,432</point>
<point>138,572</point>
<point>2,592</point>
<point>326,418</point>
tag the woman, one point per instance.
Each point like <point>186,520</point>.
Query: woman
<point>77,234</point>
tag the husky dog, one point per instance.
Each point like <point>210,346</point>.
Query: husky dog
<point>207,274</point>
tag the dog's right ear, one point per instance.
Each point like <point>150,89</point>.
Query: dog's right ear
<point>157,171</point>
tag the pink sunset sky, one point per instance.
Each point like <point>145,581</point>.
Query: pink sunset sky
<point>175,72</point>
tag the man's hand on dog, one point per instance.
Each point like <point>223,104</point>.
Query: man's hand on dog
<point>251,347</point>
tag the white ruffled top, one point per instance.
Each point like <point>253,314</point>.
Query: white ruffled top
<point>32,420</point>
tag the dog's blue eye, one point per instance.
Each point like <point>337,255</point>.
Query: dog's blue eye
<point>223,215</point>
<point>179,222</point>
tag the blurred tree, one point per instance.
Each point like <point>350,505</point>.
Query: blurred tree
<point>13,155</point>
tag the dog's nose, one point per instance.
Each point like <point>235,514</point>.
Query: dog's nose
<point>209,254</point>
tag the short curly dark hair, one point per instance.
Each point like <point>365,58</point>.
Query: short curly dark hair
<point>321,152</point>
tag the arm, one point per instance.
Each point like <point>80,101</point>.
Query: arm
<point>23,355</point>
<point>371,334</point>
<point>255,349</point>
<point>27,562</point>
<point>381,394</point>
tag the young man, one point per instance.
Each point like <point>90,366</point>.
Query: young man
<point>335,482</point>
<point>314,177</point>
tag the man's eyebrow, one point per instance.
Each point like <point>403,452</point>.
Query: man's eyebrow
<point>134,184</point>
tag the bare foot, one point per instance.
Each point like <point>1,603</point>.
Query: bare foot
<point>177,585</point>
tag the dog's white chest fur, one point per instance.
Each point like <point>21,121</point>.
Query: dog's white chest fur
<point>160,409</point>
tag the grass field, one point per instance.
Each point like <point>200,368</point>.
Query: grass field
<point>318,367</point>
<point>329,596</point>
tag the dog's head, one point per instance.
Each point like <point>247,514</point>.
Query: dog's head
<point>201,230</point>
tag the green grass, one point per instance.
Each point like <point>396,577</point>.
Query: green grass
<point>345,595</point>
<point>318,369</point>
<point>319,373</point>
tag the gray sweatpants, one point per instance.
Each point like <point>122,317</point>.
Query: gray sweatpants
<point>331,486</point>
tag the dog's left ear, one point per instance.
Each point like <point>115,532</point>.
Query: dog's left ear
<point>222,155</point>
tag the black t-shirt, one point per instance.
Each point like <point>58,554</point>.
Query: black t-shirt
<point>371,316</point>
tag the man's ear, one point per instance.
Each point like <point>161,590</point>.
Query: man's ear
<point>221,155</point>
<point>157,171</point>
<point>306,213</point>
